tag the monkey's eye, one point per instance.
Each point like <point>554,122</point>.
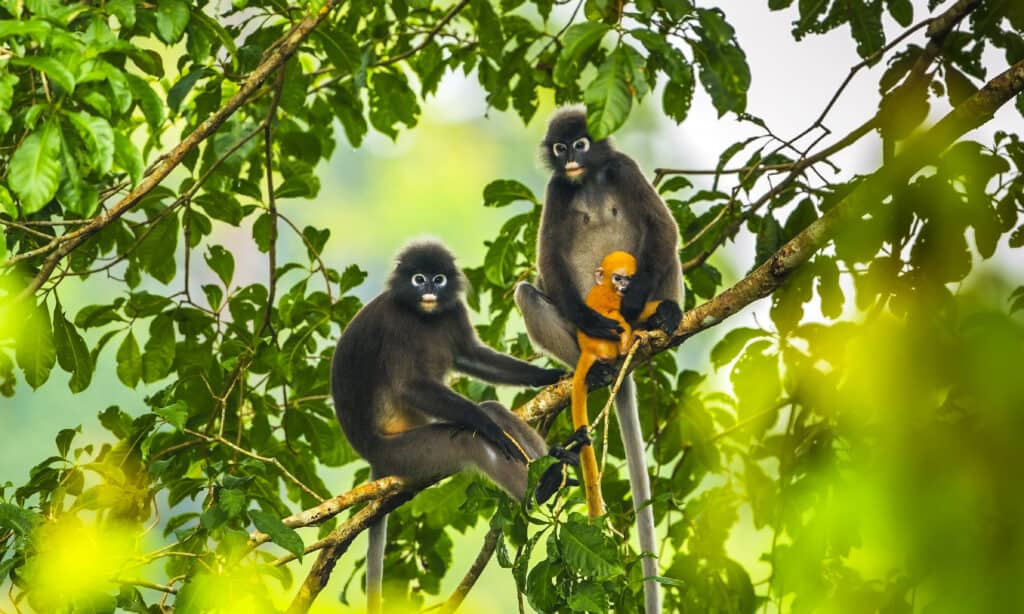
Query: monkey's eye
<point>419,279</point>
<point>582,144</point>
<point>617,279</point>
<point>559,149</point>
<point>440,280</point>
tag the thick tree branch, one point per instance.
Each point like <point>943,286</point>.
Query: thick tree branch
<point>335,505</point>
<point>63,245</point>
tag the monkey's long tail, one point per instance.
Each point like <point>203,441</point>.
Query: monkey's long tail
<point>588,460</point>
<point>375,565</point>
<point>640,484</point>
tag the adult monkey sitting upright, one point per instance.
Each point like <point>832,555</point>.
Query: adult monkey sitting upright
<point>388,383</point>
<point>599,202</point>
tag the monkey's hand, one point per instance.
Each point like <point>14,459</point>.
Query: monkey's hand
<point>666,317</point>
<point>548,376</point>
<point>596,325</point>
<point>635,298</point>
<point>493,433</point>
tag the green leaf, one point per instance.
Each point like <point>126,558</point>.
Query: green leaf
<point>504,192</point>
<point>678,95</point>
<point>587,551</point>
<point>392,101</point>
<point>341,50</point>
<point>184,85</point>
<point>128,157</point>
<point>488,28</point>
<point>14,518</point>
<point>55,70</point>
<point>769,239</point>
<point>156,252</point>
<point>222,263</point>
<point>576,41</point>
<point>64,439</point>
<point>726,350</point>
<point>723,67</point>
<point>171,20</point>
<point>34,170</point>
<point>866,25</point>
<point>176,414</point>
<point>3,245</point>
<point>902,11</point>
<point>34,350</point>
<point>755,378</point>
<point>151,104</point>
<point>35,28</point>
<point>279,533</point>
<point>129,361</point>
<point>160,349</point>
<point>608,96</point>
<point>72,353</point>
<point>262,232</point>
<point>99,139</point>
<point>828,286</point>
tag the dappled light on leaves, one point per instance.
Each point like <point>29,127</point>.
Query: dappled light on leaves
<point>75,565</point>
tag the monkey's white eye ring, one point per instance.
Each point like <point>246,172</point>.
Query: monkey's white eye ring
<point>582,144</point>
<point>419,279</point>
<point>440,280</point>
<point>559,149</point>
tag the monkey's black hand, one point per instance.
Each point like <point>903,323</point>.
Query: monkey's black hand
<point>548,376</point>
<point>635,299</point>
<point>596,325</point>
<point>666,318</point>
<point>501,440</point>
<point>600,375</point>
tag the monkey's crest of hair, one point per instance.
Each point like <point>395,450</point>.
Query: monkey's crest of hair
<point>566,126</point>
<point>429,258</point>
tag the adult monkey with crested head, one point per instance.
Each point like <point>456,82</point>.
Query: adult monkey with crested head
<point>599,202</point>
<point>388,383</point>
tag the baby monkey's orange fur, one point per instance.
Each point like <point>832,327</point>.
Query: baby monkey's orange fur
<point>612,278</point>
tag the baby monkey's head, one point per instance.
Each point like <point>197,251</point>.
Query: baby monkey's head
<point>616,270</point>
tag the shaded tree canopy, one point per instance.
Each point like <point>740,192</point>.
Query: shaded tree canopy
<point>864,442</point>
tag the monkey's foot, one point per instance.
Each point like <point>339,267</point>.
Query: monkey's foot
<point>601,375</point>
<point>556,477</point>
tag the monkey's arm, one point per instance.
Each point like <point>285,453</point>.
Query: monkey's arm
<point>438,401</point>
<point>484,363</point>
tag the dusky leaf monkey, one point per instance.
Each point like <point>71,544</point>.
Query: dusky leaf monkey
<point>598,202</point>
<point>388,383</point>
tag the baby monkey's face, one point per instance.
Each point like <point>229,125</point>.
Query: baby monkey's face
<point>620,280</point>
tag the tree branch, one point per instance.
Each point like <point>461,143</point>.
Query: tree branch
<point>335,505</point>
<point>64,244</point>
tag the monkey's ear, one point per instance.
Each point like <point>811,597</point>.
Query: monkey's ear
<point>599,276</point>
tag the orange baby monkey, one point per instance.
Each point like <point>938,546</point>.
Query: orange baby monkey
<point>612,279</point>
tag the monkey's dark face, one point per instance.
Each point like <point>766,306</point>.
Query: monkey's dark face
<point>426,279</point>
<point>569,150</point>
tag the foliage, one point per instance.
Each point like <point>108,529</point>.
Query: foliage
<point>885,437</point>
